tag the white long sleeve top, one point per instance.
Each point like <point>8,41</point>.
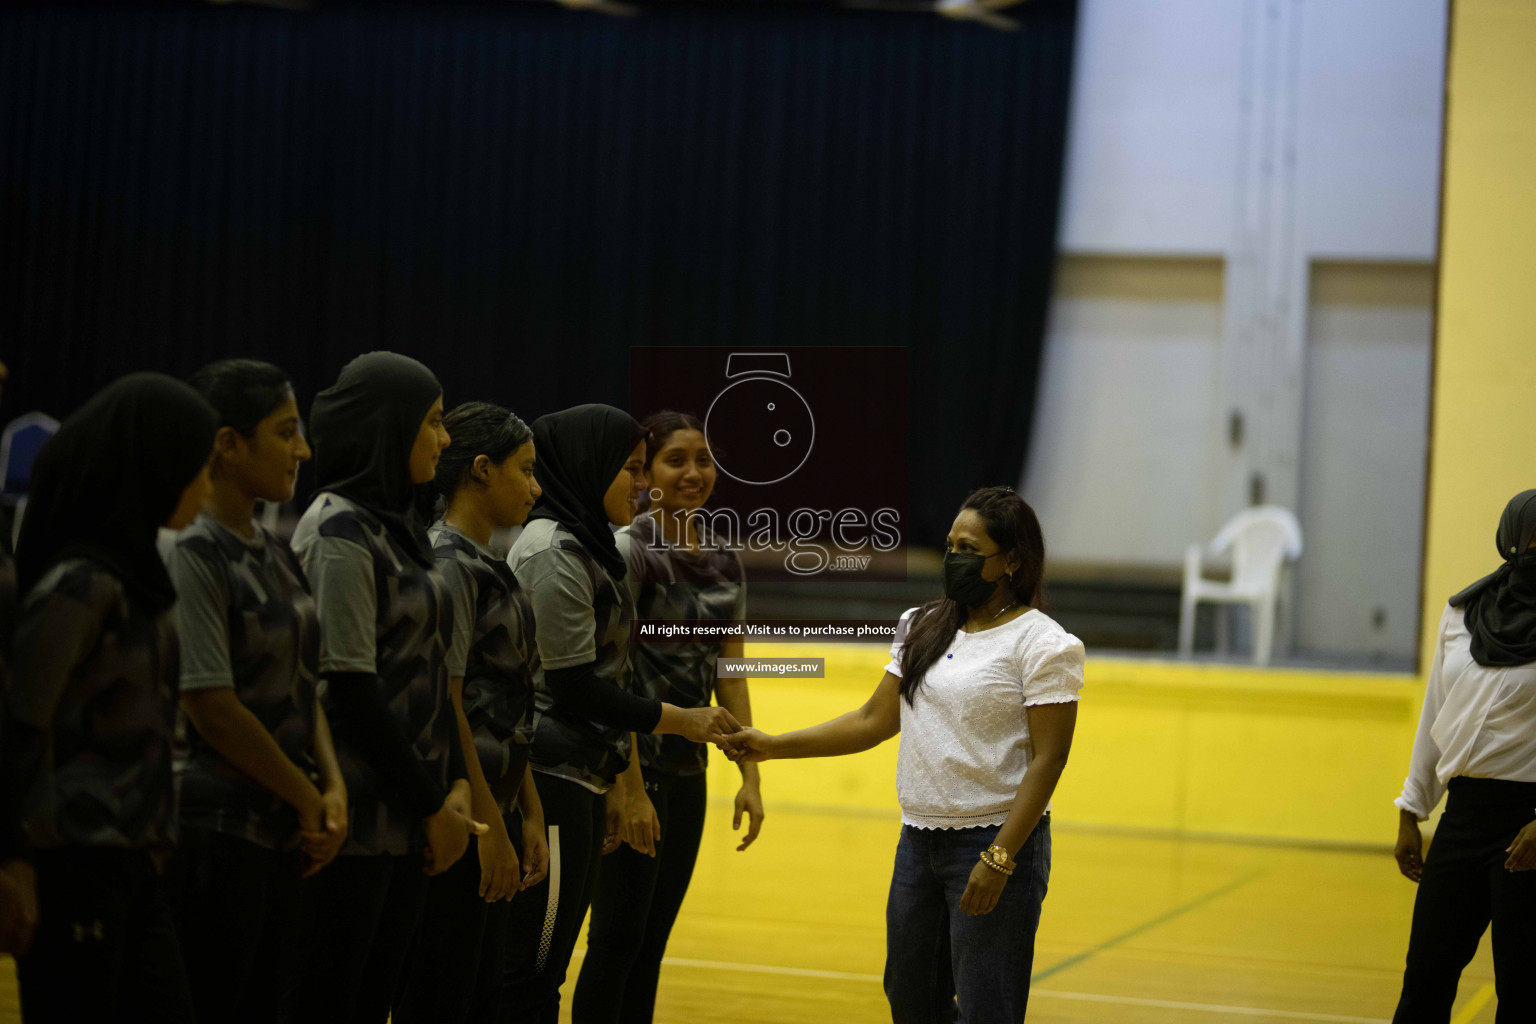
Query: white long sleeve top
<point>1477,721</point>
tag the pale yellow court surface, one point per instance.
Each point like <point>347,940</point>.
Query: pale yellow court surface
<point>1134,929</point>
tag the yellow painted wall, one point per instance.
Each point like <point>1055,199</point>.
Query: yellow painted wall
<point>1483,435</point>
<point>1160,746</point>
<point>1297,755</point>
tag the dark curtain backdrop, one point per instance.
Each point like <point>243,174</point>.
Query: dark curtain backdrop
<point>516,194</point>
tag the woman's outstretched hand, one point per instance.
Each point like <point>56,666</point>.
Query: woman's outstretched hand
<point>709,724</point>
<point>747,745</point>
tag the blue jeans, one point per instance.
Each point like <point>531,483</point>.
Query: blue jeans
<point>943,966</point>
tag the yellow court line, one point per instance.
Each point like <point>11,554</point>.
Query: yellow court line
<point>1091,997</point>
<point>1474,1006</point>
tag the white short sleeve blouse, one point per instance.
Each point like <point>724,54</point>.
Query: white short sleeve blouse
<point>965,743</point>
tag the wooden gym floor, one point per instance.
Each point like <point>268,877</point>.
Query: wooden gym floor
<point>1135,928</point>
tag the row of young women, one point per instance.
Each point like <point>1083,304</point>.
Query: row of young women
<point>349,828</point>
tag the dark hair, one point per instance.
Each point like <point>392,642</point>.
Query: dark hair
<point>1012,524</point>
<point>474,429</point>
<point>243,391</point>
<point>661,425</point>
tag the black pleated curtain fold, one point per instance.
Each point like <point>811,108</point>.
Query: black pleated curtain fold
<point>517,195</point>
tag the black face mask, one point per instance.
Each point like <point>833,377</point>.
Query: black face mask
<point>962,578</point>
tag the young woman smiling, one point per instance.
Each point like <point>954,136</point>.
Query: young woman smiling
<point>590,466</point>
<point>385,624</point>
<point>485,481</point>
<point>675,572</point>
<point>983,688</point>
<point>262,798</point>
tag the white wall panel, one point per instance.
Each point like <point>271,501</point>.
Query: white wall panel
<point>1152,147</point>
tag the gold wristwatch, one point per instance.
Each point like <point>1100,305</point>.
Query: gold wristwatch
<point>1000,854</point>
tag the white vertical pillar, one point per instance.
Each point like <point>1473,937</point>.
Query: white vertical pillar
<point>1263,348</point>
<point>1264,337</point>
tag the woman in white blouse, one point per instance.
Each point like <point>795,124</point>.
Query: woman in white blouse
<point>983,687</point>
<point>1477,740</point>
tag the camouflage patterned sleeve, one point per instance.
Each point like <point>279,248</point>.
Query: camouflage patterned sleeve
<point>462,593</point>
<point>629,550</point>
<point>202,619</point>
<point>340,572</point>
<point>560,592</point>
<point>54,632</point>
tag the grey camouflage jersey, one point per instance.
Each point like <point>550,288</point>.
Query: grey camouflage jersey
<point>493,649</point>
<point>93,694</point>
<point>381,612</point>
<point>247,622</point>
<point>671,584</point>
<point>582,615</point>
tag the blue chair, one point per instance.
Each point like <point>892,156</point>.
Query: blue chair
<point>20,442</point>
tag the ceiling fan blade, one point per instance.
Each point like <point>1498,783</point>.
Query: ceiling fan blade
<point>970,10</point>
<point>1001,22</point>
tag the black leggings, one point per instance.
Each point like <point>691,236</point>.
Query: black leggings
<point>546,920</point>
<point>637,901</point>
<point>455,974</point>
<point>1464,887</point>
<point>363,910</point>
<point>236,906</point>
<point>105,948</point>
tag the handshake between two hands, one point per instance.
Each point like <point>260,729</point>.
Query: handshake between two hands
<point>717,725</point>
<point>745,745</point>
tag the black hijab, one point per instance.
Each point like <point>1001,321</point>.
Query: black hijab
<point>579,451</point>
<point>363,428</point>
<point>1500,608</point>
<point>110,478</point>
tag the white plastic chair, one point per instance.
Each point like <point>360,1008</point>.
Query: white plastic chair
<point>1262,540</point>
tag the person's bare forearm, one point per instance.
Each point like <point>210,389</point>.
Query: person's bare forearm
<point>229,728</point>
<point>1030,802</point>
<point>482,804</point>
<point>324,751</point>
<point>849,733</point>
<point>632,779</point>
<point>732,695</point>
<point>673,721</point>
<point>1051,726</point>
<point>528,802</point>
